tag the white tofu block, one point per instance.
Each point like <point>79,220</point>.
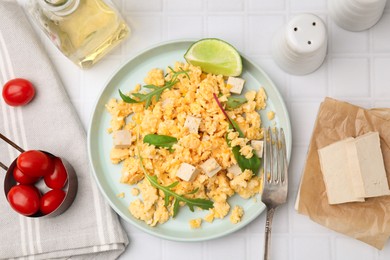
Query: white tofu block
<point>234,169</point>
<point>210,167</point>
<point>237,84</point>
<point>354,168</point>
<point>336,173</point>
<point>193,124</point>
<point>187,172</point>
<point>257,146</point>
<point>122,139</point>
<point>372,167</point>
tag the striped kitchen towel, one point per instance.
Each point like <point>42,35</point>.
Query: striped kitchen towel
<point>88,229</point>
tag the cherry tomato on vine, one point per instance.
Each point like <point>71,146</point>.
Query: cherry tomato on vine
<point>51,200</point>
<point>24,199</point>
<point>58,177</point>
<point>35,163</point>
<point>22,178</point>
<point>18,92</point>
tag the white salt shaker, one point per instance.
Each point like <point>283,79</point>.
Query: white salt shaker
<point>356,15</point>
<point>300,46</point>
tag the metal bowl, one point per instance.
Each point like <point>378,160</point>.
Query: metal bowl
<point>70,187</point>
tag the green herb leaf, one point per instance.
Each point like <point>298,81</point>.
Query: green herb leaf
<point>127,99</point>
<point>234,102</point>
<point>191,203</point>
<point>193,192</point>
<point>252,163</point>
<point>233,125</point>
<point>164,141</point>
<point>156,91</point>
<point>176,207</point>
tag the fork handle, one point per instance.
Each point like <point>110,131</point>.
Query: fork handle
<point>268,226</point>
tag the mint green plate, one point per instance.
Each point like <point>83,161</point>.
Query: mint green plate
<point>107,175</point>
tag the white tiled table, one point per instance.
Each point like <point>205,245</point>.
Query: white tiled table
<point>357,70</point>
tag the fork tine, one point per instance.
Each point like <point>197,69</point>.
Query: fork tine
<point>271,156</point>
<point>277,156</point>
<point>267,157</point>
<point>284,158</point>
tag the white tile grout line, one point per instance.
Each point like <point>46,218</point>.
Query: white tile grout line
<point>291,211</point>
<point>371,68</point>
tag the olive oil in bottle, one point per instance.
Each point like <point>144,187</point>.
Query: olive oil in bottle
<point>83,30</point>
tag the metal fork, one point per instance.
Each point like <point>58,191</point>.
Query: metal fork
<point>275,178</point>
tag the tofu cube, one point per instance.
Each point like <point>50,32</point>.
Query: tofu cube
<point>237,84</point>
<point>234,169</point>
<point>193,124</point>
<point>187,172</point>
<point>210,167</point>
<point>122,139</point>
<point>257,146</point>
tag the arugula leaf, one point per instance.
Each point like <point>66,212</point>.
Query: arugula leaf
<point>164,141</point>
<point>156,90</point>
<point>191,203</point>
<point>127,99</point>
<point>252,163</point>
<point>232,124</point>
<point>234,102</point>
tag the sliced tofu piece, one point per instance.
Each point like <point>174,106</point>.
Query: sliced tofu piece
<point>122,139</point>
<point>234,169</point>
<point>187,172</point>
<point>336,173</point>
<point>193,124</point>
<point>353,169</point>
<point>372,167</point>
<point>210,167</point>
<point>236,84</point>
<point>257,146</point>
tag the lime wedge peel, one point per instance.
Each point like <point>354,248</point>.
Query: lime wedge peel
<point>215,56</point>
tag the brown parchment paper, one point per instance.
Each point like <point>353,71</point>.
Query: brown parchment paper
<point>367,221</point>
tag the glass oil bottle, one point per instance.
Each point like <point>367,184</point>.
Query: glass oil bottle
<point>83,30</point>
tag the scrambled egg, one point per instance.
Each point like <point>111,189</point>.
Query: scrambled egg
<point>191,96</point>
<point>195,223</point>
<point>121,195</point>
<point>236,215</point>
<point>134,191</point>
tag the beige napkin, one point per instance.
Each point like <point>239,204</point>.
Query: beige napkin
<point>88,229</point>
<point>367,221</point>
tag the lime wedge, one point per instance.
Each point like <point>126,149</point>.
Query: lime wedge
<point>215,56</point>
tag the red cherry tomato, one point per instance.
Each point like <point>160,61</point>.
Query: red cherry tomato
<point>35,163</point>
<point>51,200</point>
<point>58,177</point>
<point>22,178</point>
<point>18,92</point>
<point>24,199</point>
